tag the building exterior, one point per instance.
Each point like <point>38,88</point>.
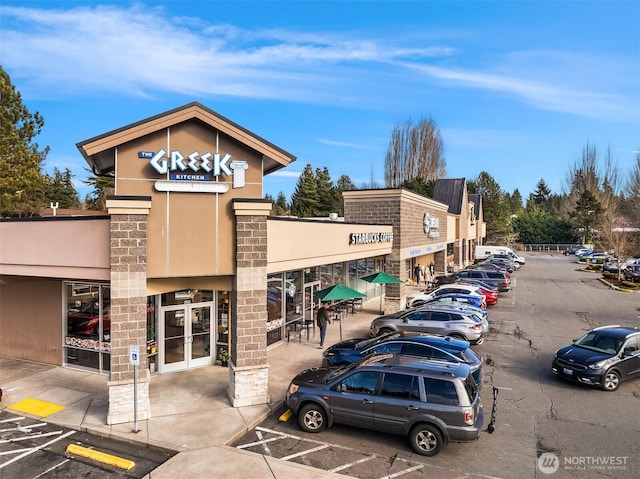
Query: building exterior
<point>188,267</point>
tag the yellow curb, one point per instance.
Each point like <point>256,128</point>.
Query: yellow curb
<point>617,288</point>
<point>36,407</point>
<point>102,457</point>
<point>286,415</point>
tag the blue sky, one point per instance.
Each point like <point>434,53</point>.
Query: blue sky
<point>517,88</point>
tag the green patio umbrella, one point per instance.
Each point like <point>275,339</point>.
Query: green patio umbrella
<point>338,292</point>
<point>381,278</point>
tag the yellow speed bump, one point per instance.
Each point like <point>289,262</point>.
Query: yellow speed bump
<point>102,457</point>
<point>286,415</point>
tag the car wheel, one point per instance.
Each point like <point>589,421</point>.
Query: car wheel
<point>426,440</point>
<point>312,418</point>
<point>611,380</point>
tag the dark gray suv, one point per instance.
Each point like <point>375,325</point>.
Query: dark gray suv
<point>431,402</point>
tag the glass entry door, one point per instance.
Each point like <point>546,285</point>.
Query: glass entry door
<point>186,336</point>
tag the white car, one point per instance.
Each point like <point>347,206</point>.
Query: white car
<point>446,289</point>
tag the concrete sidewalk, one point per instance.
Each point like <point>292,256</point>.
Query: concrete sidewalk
<point>190,410</point>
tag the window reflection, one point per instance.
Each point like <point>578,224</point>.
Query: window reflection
<point>88,325</point>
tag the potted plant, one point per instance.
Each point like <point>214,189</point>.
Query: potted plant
<point>223,356</point>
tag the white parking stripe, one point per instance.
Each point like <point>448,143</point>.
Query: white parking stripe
<point>17,418</point>
<point>304,453</point>
<point>52,468</point>
<point>35,449</point>
<point>402,473</point>
<point>347,466</point>
<point>264,444</point>
<point>32,436</point>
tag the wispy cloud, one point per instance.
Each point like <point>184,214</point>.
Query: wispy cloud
<point>113,49</point>
<point>106,50</point>
<point>347,145</point>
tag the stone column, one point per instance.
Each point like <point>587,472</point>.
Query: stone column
<point>248,368</point>
<point>128,307</point>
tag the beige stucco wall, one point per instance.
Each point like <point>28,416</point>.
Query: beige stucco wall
<point>31,319</point>
<point>66,248</point>
<point>302,244</point>
<point>189,234</point>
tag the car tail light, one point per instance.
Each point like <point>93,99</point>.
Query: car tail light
<point>469,416</point>
<point>476,326</point>
<point>293,388</point>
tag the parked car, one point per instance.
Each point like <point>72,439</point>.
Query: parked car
<point>86,321</point>
<point>571,250</point>
<point>603,357</point>
<point>442,320</point>
<point>431,402</point>
<point>503,259</point>
<point>445,289</point>
<point>632,273</point>
<point>495,278</point>
<point>453,298</point>
<point>403,342</point>
<point>488,265</point>
<point>490,292</point>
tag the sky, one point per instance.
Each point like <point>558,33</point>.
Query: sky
<point>517,89</point>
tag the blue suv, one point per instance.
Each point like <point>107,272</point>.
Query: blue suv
<point>405,342</point>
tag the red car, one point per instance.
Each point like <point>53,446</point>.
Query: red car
<point>490,294</point>
<point>86,322</point>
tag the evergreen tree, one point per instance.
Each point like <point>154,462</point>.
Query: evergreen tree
<point>61,190</point>
<point>326,193</point>
<point>22,184</point>
<point>304,200</point>
<point>280,207</point>
<point>540,196</point>
<point>496,211</point>
<point>103,186</point>
<point>344,183</point>
<point>587,215</point>
<point>418,185</point>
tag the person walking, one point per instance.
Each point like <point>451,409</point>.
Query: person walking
<point>322,319</point>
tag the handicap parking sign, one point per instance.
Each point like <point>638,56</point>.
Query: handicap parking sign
<point>134,355</point>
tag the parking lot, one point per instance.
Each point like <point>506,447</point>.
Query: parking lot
<point>545,427</point>
<point>32,448</point>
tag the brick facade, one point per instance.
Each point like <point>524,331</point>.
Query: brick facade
<point>128,309</point>
<point>248,368</point>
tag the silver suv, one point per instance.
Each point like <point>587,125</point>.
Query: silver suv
<point>442,320</point>
<point>431,402</point>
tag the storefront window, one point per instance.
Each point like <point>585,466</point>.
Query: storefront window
<point>88,326</point>
<point>224,321</point>
<point>275,321</point>
<point>293,293</point>
<point>152,344</point>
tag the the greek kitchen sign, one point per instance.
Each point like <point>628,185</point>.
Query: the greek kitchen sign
<point>369,238</point>
<point>195,172</point>
<point>431,225</point>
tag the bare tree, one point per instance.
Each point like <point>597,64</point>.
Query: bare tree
<point>615,234</point>
<point>415,151</point>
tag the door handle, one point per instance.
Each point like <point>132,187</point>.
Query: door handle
<point>367,401</point>
<point>412,408</point>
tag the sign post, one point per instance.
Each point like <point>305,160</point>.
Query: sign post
<point>134,359</point>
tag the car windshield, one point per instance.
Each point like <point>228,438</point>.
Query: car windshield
<point>339,371</point>
<point>599,343</point>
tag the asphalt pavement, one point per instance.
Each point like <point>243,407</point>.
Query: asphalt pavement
<point>190,410</point>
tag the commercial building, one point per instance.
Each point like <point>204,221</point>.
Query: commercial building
<point>187,264</point>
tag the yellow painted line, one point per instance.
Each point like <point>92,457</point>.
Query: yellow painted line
<point>102,457</point>
<point>286,415</point>
<point>36,407</point>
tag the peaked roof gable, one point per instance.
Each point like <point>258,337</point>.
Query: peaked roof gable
<point>99,151</point>
<point>451,192</point>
